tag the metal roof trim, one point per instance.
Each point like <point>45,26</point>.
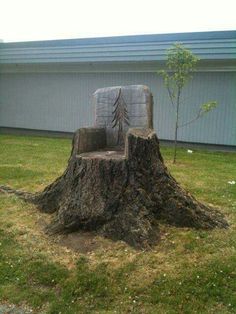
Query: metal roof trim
<point>207,45</point>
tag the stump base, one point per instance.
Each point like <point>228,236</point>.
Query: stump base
<point>123,195</point>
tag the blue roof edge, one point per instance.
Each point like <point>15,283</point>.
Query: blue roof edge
<point>212,35</point>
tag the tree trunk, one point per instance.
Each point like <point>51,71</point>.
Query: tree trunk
<point>122,195</point>
<point>175,143</point>
<point>176,125</point>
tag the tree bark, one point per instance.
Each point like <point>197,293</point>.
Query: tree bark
<point>123,195</point>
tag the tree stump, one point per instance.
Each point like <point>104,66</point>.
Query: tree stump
<point>121,194</point>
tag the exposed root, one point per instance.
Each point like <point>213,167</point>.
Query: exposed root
<point>26,196</point>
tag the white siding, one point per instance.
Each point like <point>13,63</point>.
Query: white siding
<point>63,102</point>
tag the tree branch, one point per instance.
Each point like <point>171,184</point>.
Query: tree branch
<point>171,97</point>
<point>200,112</point>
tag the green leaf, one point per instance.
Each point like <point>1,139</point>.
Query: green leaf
<point>206,107</point>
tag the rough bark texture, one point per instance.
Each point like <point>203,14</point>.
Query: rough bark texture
<point>122,195</point>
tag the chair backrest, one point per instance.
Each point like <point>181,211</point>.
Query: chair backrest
<point>121,107</point>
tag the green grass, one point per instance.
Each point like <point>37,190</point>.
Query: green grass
<point>189,271</point>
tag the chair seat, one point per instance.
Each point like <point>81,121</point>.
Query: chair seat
<point>107,153</point>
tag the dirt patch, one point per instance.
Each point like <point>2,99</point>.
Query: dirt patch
<point>13,309</point>
<point>79,242</point>
<point>82,242</point>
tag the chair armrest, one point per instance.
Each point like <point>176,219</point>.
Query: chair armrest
<point>88,140</point>
<point>136,139</point>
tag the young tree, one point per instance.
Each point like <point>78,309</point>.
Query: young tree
<point>181,62</point>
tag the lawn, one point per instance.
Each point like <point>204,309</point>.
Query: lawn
<point>189,271</point>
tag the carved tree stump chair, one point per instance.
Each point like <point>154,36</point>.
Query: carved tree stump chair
<point>116,182</point>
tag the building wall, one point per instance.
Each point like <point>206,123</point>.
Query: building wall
<point>63,102</point>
